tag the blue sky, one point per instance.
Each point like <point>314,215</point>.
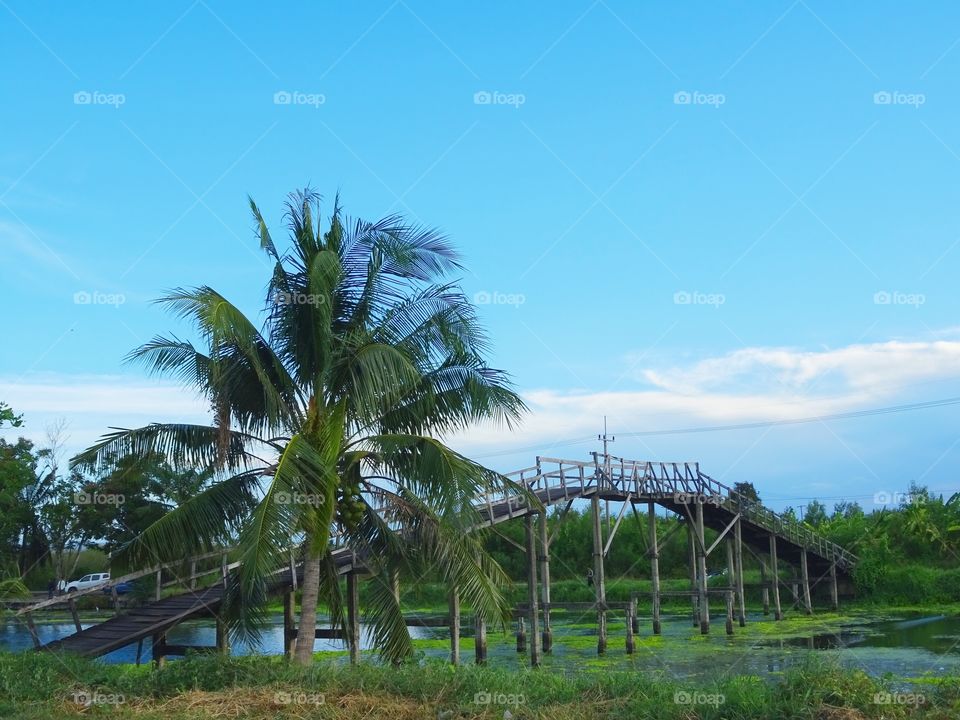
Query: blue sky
<point>682,214</point>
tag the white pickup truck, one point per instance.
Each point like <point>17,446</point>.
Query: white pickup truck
<point>87,581</point>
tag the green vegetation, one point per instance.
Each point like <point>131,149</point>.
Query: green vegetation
<point>40,687</point>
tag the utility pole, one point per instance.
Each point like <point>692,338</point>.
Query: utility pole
<point>606,466</point>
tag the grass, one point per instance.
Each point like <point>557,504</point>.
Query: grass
<point>42,687</point>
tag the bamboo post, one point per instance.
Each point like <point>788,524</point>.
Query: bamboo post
<point>795,595</point>
<point>738,559</point>
<point>223,569</point>
<point>547,644</point>
<point>631,645</point>
<point>702,574</point>
<point>654,568</point>
<point>480,644</point>
<point>834,596</point>
<point>158,577</point>
<point>193,574</point>
<point>599,589</point>
<point>775,579</point>
<point>635,623</point>
<point>731,568</point>
<point>521,636</point>
<point>454,620</point>
<point>529,521</point>
<point>805,579</point>
<point>289,626</point>
<point>353,617</point>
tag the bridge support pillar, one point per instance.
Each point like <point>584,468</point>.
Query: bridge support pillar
<point>530,522</point>
<point>702,574</point>
<point>795,593</point>
<point>157,649</point>
<point>289,624</point>
<point>454,626</point>
<point>728,598</point>
<point>731,597</point>
<point>764,590</point>
<point>480,636</point>
<point>223,639</point>
<point>692,537</point>
<point>353,617</point>
<point>834,598</point>
<point>775,579</point>
<point>547,645</point>
<point>738,560</point>
<point>600,593</point>
<point>654,568</point>
<point>805,579</point>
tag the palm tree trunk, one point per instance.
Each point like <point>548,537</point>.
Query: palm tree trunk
<point>308,608</point>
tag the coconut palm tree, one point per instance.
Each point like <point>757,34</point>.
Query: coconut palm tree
<point>328,421</point>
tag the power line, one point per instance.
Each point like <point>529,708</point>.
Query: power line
<point>798,421</point>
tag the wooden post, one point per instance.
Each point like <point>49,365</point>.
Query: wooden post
<point>223,569</point>
<point>159,640</point>
<point>654,568</point>
<point>33,630</point>
<point>353,617</point>
<point>731,568</point>
<point>115,600</point>
<point>159,582</point>
<point>728,596</point>
<point>139,651</point>
<point>834,597</point>
<point>764,589</point>
<point>289,624</point>
<point>805,579</point>
<point>738,559</point>
<point>480,644</point>
<point>73,611</point>
<point>529,520</point>
<point>775,578</point>
<point>547,644</point>
<point>692,537</point>
<point>223,639</point>
<point>631,646</point>
<point>454,620</point>
<point>193,574</point>
<point>521,636</point>
<point>702,574</point>
<point>600,593</point>
<point>795,595</point>
<point>635,623</point>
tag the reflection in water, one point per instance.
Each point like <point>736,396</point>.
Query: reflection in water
<point>906,648</point>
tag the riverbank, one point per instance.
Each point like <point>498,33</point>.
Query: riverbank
<point>42,687</point>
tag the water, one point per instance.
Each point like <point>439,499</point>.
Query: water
<point>911,648</point>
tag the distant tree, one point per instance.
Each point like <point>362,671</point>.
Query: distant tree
<point>816,514</point>
<point>847,509</point>
<point>747,490</point>
<point>8,416</point>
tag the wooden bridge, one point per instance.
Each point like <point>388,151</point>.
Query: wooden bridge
<point>701,501</point>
